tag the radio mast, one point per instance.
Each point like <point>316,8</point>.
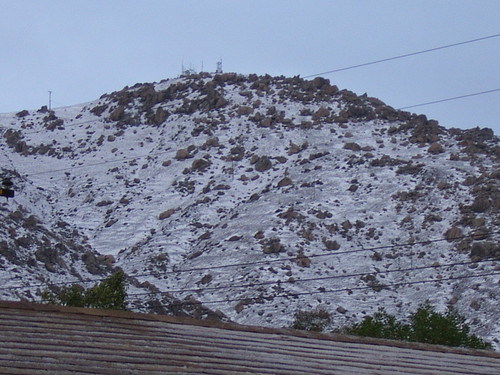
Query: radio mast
<point>219,67</point>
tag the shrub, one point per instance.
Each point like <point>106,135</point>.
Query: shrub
<point>381,325</point>
<point>449,329</point>
<point>425,325</point>
<point>315,320</point>
<point>108,294</point>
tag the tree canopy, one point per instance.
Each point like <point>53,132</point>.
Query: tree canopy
<point>424,325</point>
<point>108,294</point>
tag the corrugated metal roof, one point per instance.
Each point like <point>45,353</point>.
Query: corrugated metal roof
<point>60,340</point>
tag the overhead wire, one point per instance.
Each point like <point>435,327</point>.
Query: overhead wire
<point>413,54</point>
<point>159,153</point>
<point>309,76</point>
<point>322,278</point>
<point>67,125</point>
<point>372,63</point>
<point>377,62</point>
<point>313,255</point>
<point>266,261</point>
<point>346,289</point>
<point>450,99</point>
<point>327,72</point>
<point>102,162</point>
<point>321,255</point>
<point>403,56</point>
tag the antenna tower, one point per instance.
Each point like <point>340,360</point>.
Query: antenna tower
<point>219,67</point>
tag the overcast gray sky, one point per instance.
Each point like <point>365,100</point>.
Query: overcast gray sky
<point>81,49</point>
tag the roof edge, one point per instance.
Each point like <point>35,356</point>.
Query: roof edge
<point>34,306</point>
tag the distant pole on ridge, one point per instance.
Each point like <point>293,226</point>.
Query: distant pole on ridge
<point>50,100</point>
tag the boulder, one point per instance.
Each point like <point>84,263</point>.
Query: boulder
<point>286,181</point>
<point>353,146</point>
<point>263,164</point>
<point>182,154</point>
<point>435,148</point>
<point>453,233</point>
<point>166,214</point>
<point>331,245</point>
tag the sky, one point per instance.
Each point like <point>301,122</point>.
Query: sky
<point>81,49</point>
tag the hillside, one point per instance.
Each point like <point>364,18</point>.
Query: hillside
<point>256,196</point>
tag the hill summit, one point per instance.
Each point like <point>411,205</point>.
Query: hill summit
<point>250,197</point>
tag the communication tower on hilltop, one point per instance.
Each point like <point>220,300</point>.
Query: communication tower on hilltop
<point>219,67</point>
<point>187,71</point>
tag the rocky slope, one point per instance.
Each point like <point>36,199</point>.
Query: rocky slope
<point>254,196</point>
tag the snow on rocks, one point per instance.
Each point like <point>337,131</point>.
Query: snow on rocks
<point>259,195</point>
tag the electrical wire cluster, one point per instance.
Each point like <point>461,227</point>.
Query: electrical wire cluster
<point>321,279</point>
<point>312,256</point>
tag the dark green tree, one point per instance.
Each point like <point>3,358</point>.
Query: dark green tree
<point>450,329</point>
<point>381,325</point>
<point>425,325</point>
<point>108,294</point>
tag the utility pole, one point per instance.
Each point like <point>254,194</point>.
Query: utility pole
<point>50,100</point>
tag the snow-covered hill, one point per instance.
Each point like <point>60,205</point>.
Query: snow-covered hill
<point>256,196</point>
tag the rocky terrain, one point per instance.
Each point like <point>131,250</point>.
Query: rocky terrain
<point>250,197</point>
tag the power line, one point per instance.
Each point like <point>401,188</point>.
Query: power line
<point>322,278</point>
<point>266,261</point>
<point>449,99</point>
<point>66,125</point>
<point>337,253</point>
<point>296,295</point>
<point>403,56</point>
<point>112,161</point>
<point>101,163</point>
<point>159,153</point>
